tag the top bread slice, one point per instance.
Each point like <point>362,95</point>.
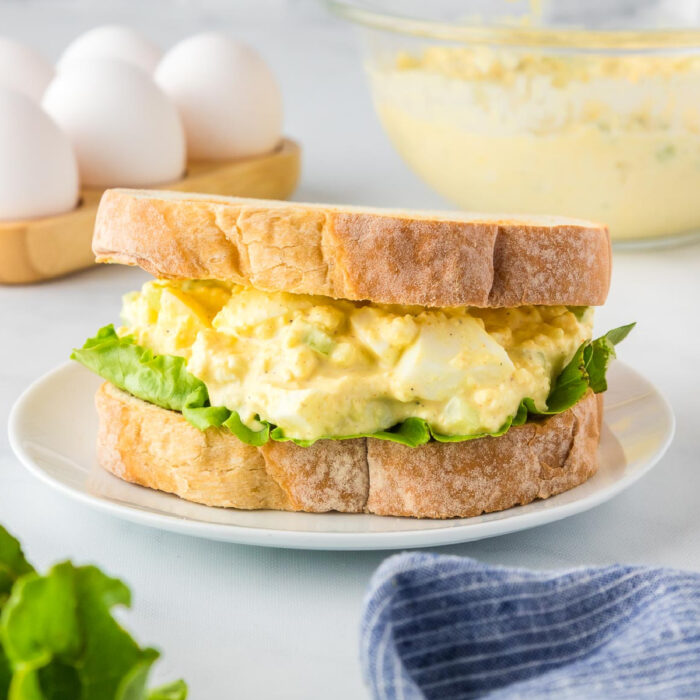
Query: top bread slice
<point>433,259</point>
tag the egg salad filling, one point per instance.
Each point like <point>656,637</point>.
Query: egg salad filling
<point>319,367</point>
<point>277,366</point>
<point>497,128</point>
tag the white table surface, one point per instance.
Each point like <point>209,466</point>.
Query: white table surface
<point>246,622</point>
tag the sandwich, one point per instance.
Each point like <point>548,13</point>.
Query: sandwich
<point>323,358</point>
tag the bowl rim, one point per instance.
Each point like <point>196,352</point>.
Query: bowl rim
<point>509,35</point>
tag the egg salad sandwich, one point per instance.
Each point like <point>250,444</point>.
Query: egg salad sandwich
<point>321,358</point>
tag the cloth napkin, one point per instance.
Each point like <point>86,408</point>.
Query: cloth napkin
<point>446,627</point>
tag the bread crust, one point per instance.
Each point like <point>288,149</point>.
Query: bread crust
<point>463,479</point>
<point>424,258</point>
<point>147,445</point>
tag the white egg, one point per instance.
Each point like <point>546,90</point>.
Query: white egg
<point>228,98</point>
<point>112,41</point>
<point>124,129</point>
<point>38,170</point>
<point>23,69</point>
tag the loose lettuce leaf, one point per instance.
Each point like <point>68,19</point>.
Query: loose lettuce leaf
<point>62,641</point>
<point>59,641</point>
<point>159,377</point>
<point>12,564</point>
<point>5,674</point>
<point>171,691</point>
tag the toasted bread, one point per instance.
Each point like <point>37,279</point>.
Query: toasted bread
<point>397,257</point>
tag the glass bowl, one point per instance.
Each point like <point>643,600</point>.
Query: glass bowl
<point>589,110</point>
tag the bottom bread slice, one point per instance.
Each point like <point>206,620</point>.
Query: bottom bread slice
<point>148,445</point>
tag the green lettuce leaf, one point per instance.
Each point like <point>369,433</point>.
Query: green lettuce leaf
<point>518,419</point>
<point>601,353</point>
<point>12,564</point>
<point>5,674</point>
<point>59,641</point>
<point>171,691</point>
<point>412,432</point>
<point>62,641</point>
<point>158,377</point>
<point>219,417</point>
<point>587,369</point>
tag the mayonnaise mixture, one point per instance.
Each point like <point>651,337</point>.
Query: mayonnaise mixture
<point>610,138</point>
<point>317,366</point>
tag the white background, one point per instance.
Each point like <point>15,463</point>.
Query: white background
<point>245,622</point>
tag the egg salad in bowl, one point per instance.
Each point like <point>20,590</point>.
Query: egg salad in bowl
<point>580,108</point>
<point>315,366</point>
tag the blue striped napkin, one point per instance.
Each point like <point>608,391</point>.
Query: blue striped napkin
<point>445,627</point>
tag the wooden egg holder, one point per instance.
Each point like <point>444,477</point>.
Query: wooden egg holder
<point>39,249</point>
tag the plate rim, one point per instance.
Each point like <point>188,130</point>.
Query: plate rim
<point>329,541</point>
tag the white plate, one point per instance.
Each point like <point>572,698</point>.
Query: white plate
<point>53,427</point>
